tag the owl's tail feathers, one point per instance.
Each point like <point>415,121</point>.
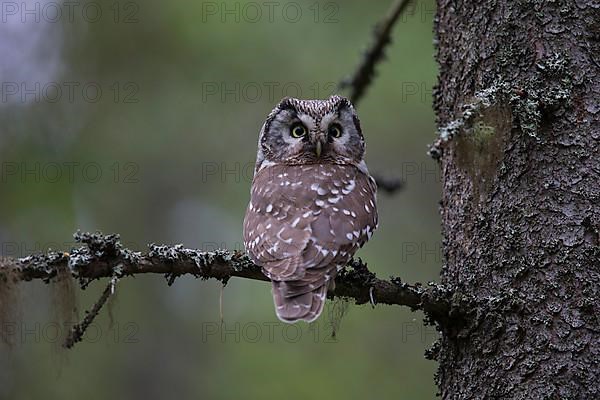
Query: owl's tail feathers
<point>306,306</point>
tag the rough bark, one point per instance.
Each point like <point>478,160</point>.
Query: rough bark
<point>518,104</point>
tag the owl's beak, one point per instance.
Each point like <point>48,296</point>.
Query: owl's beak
<point>320,141</point>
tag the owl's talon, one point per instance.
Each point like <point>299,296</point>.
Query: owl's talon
<point>372,298</point>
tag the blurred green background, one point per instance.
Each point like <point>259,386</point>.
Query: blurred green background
<point>141,118</point>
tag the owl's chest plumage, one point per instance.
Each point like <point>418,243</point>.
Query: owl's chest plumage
<point>304,217</point>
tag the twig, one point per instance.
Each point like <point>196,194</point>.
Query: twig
<point>388,185</point>
<point>77,331</point>
<point>365,72</point>
<point>104,257</point>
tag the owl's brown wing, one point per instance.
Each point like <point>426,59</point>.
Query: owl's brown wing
<point>277,227</point>
<point>347,217</point>
<point>302,222</point>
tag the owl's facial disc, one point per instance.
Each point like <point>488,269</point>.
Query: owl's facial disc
<point>313,131</point>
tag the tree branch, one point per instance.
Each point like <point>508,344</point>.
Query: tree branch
<point>388,185</point>
<point>76,333</point>
<point>363,76</point>
<point>105,257</point>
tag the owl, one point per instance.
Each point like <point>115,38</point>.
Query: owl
<point>312,201</point>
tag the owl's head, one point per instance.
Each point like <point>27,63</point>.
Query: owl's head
<point>310,132</point>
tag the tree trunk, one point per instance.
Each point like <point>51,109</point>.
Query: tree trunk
<point>518,105</point>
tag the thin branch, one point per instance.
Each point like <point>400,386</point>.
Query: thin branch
<point>105,257</point>
<point>388,185</point>
<point>77,331</point>
<point>363,76</point>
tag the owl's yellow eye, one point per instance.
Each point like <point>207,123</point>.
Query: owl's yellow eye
<point>335,131</point>
<point>298,131</point>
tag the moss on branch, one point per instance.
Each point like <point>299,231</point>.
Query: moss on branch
<point>103,256</point>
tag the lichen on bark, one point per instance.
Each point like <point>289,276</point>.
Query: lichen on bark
<point>523,247</point>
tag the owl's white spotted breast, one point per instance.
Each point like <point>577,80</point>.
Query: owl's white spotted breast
<point>304,220</point>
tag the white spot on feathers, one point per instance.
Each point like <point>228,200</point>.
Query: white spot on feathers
<point>350,187</point>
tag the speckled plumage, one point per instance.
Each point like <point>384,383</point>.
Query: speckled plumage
<point>312,205</point>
